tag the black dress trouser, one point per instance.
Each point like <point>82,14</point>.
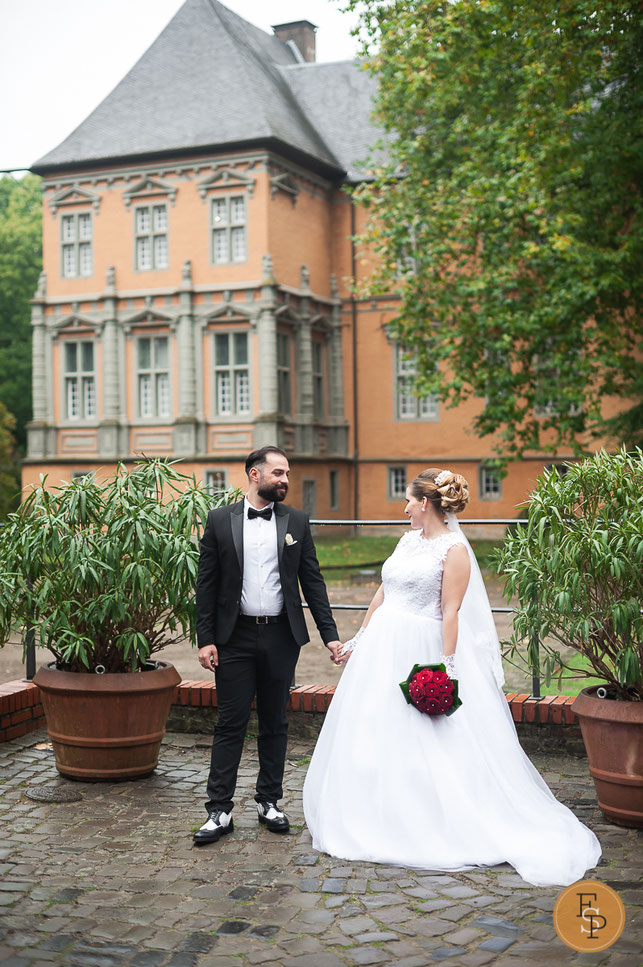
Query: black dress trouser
<point>259,660</point>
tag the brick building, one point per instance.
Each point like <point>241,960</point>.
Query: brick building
<point>194,300</point>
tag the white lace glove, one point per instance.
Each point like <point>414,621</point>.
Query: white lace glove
<point>449,663</point>
<point>349,645</point>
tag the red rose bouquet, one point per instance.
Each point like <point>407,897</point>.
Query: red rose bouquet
<point>430,689</point>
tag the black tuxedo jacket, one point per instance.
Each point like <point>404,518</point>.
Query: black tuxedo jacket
<point>219,583</point>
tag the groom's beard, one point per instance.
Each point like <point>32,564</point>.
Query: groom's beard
<point>273,492</point>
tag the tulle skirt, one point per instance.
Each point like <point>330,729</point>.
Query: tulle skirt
<point>391,785</point>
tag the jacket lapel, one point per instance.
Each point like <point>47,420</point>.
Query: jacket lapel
<point>282,516</point>
<point>236,523</point>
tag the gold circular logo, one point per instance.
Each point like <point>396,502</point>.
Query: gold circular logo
<point>589,916</point>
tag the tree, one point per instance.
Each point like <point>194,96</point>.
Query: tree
<point>20,266</point>
<point>508,213</point>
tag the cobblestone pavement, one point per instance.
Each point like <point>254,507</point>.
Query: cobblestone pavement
<point>114,880</point>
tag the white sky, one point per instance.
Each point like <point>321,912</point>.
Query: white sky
<point>60,58</point>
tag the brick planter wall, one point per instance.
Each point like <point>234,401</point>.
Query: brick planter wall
<point>21,710</point>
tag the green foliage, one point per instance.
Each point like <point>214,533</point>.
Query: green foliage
<point>105,571</point>
<point>20,266</point>
<point>577,571</point>
<point>509,216</point>
<point>9,465</point>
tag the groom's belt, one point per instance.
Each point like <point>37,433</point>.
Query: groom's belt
<point>262,619</point>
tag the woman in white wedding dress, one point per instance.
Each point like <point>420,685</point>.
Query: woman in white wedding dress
<point>392,785</point>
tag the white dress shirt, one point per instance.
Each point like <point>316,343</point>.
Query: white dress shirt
<point>261,592</point>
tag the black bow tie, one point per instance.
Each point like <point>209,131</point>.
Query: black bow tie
<point>266,514</point>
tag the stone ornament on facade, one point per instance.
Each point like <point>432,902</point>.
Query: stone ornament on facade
<point>73,195</point>
<point>228,178</point>
<point>149,187</point>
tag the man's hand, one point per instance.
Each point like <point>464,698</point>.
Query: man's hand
<point>209,657</point>
<point>334,648</point>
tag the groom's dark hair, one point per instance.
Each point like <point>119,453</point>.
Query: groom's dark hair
<point>258,457</point>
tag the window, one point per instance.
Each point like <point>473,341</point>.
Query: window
<point>309,497</point>
<point>80,380</point>
<point>231,374</point>
<point>151,237</point>
<point>408,405</point>
<point>215,481</point>
<point>561,468</point>
<point>333,480</point>
<point>76,241</point>
<point>490,484</point>
<point>396,483</point>
<point>283,372</point>
<point>153,376</point>
<point>229,229</point>
<point>319,406</point>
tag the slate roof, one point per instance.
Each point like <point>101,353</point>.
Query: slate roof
<point>213,80</point>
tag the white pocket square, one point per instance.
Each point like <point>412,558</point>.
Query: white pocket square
<point>290,540</point>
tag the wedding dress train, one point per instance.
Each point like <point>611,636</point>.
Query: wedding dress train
<point>391,785</point>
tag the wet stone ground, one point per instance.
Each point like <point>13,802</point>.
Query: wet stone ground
<point>114,880</point>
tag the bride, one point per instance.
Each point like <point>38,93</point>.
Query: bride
<point>392,785</point>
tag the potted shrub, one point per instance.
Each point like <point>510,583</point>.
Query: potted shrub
<point>104,571</point>
<point>577,572</point>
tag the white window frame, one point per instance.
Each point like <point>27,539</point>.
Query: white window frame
<point>489,483</point>
<point>76,241</point>
<point>394,476</point>
<point>226,225</point>
<point>236,373</point>
<point>284,373</point>
<point>410,408</point>
<point>155,233</point>
<point>160,391</point>
<point>79,384</point>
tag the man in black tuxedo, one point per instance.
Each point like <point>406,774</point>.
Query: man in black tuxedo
<point>250,626</point>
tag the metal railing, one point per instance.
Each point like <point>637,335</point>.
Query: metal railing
<point>498,521</point>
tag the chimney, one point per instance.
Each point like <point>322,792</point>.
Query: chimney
<point>301,34</point>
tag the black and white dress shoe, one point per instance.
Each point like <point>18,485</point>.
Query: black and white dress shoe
<point>217,825</point>
<point>272,817</point>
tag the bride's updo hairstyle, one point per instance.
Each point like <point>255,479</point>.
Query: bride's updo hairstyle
<point>451,493</point>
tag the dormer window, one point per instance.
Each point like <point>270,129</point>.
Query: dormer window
<point>76,245</point>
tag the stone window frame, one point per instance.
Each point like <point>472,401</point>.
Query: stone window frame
<point>235,415</point>
<point>80,377</point>
<point>211,487</point>
<point>155,371</point>
<point>152,234</point>
<point>229,227</point>
<point>393,489</point>
<point>75,243</point>
<point>404,369</point>
<point>489,483</point>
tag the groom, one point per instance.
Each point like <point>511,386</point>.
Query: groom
<point>250,625</point>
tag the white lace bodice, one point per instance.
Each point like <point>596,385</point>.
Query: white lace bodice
<point>412,575</point>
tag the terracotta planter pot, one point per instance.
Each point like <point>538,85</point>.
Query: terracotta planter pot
<point>106,727</point>
<point>613,736</point>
